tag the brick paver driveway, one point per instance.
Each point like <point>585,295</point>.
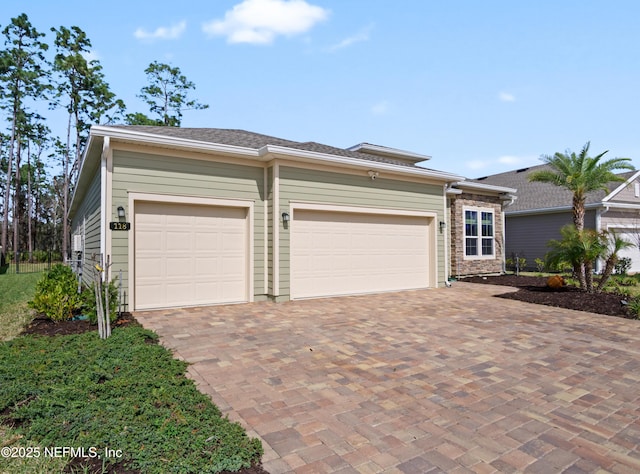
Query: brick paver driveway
<point>450,380</point>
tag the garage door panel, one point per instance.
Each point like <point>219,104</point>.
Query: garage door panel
<point>632,252</point>
<point>189,255</point>
<point>345,253</point>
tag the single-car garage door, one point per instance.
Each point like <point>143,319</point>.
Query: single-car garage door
<point>189,255</point>
<point>340,253</point>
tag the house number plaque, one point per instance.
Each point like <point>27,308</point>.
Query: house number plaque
<point>120,225</point>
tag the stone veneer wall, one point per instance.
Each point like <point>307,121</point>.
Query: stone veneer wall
<point>469,266</point>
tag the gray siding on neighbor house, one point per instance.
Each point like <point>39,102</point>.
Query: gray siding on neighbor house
<point>629,219</point>
<point>299,184</point>
<point>627,194</point>
<point>176,176</point>
<point>86,222</point>
<point>527,235</point>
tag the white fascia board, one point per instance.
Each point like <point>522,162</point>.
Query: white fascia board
<point>610,196</point>
<point>269,152</point>
<point>77,185</point>
<point>486,187</point>
<point>172,142</point>
<point>552,210</point>
<point>390,152</point>
<point>621,205</point>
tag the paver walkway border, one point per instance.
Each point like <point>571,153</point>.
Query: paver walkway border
<point>445,380</point>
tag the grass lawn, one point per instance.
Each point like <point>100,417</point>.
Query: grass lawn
<point>15,291</point>
<point>125,393</point>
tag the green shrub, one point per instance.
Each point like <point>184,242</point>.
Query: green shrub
<point>634,306</point>
<point>57,294</point>
<point>511,263</point>
<point>623,266</point>
<point>539,264</point>
<point>88,297</point>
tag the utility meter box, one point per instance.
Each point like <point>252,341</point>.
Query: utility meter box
<point>77,243</point>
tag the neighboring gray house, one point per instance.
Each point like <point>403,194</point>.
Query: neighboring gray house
<point>206,216</point>
<point>541,209</point>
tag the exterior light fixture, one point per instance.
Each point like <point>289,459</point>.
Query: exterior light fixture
<point>286,217</point>
<point>443,225</point>
<point>373,174</point>
<point>121,214</point>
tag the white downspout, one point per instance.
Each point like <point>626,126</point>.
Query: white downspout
<point>104,194</point>
<point>505,204</point>
<point>599,213</point>
<point>446,232</point>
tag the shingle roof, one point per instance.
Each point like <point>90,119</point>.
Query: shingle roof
<point>536,195</point>
<point>253,140</point>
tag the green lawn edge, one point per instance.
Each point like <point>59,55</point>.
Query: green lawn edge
<point>126,393</point>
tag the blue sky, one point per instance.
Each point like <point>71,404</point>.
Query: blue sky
<point>482,87</point>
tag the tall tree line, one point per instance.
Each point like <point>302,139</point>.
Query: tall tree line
<point>34,203</point>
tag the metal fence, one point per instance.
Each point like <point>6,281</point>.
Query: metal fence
<point>30,262</point>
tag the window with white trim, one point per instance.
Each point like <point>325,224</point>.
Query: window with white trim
<point>479,228</point>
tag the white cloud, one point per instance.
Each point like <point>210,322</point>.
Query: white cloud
<point>162,32</point>
<point>362,35</point>
<point>477,164</point>
<point>260,21</point>
<point>91,56</point>
<point>506,97</point>
<point>380,108</point>
<point>511,162</point>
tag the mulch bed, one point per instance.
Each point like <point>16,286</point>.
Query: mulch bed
<point>46,327</point>
<point>533,289</point>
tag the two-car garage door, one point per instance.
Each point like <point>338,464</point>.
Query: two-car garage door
<point>189,255</point>
<point>341,253</point>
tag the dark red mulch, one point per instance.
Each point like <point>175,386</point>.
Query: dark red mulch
<point>533,289</point>
<point>46,327</point>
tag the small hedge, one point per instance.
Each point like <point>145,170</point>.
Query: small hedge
<point>122,393</point>
<point>57,294</point>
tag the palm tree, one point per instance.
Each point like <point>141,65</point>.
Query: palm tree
<point>578,249</point>
<point>615,245</point>
<point>580,174</point>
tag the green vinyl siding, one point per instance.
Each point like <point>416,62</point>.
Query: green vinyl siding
<point>299,184</point>
<point>86,222</point>
<point>164,174</point>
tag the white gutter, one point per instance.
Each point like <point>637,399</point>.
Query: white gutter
<point>82,164</point>
<point>264,154</point>
<point>174,142</point>
<point>620,205</point>
<point>486,187</point>
<point>548,210</point>
<point>390,152</point>
<point>267,151</point>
